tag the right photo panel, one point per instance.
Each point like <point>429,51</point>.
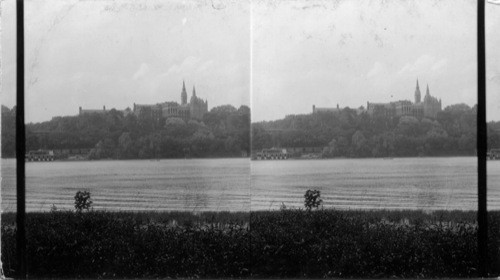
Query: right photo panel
<point>363,135</point>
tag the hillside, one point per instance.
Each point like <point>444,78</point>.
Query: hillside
<point>349,134</point>
<point>222,133</point>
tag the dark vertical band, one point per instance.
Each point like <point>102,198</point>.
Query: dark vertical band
<point>20,144</point>
<point>482,215</point>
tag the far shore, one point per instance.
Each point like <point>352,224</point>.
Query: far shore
<point>253,159</point>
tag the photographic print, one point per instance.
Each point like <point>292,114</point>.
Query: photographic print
<point>364,139</point>
<point>250,139</point>
<point>137,138</point>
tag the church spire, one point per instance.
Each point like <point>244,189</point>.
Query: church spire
<point>194,91</point>
<point>417,94</point>
<point>183,94</point>
<point>427,92</point>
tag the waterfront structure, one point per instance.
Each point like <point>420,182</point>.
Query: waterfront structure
<point>40,155</point>
<point>428,108</point>
<point>273,153</point>
<point>493,154</point>
<point>195,109</point>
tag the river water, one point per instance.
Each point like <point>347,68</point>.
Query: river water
<point>244,185</point>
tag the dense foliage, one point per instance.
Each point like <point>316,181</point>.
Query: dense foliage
<point>126,245</point>
<point>349,134</point>
<point>82,201</point>
<point>312,199</point>
<point>287,243</point>
<point>326,244</point>
<point>8,132</point>
<point>224,132</point>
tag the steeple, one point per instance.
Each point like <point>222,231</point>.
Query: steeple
<point>194,91</point>
<point>184,96</point>
<point>417,94</point>
<point>427,92</point>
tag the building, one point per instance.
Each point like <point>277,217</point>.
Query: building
<point>273,153</point>
<point>91,111</point>
<point>334,109</point>
<point>194,110</point>
<point>325,109</point>
<point>40,155</point>
<point>428,108</point>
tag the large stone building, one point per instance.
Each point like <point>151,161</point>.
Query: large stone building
<point>335,109</point>
<point>91,111</point>
<point>195,109</point>
<point>428,108</point>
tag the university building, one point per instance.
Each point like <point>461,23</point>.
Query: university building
<point>428,108</point>
<point>195,109</point>
<point>91,111</point>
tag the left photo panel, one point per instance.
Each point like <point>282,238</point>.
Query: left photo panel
<point>137,138</point>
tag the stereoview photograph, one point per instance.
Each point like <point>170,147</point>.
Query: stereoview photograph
<point>250,139</point>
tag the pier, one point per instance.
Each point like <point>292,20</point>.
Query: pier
<point>493,154</point>
<point>40,155</point>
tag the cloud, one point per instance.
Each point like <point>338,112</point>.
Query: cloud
<point>439,66</point>
<point>424,64</point>
<point>419,66</point>
<point>141,72</point>
<point>377,69</point>
<point>187,66</point>
<point>205,66</point>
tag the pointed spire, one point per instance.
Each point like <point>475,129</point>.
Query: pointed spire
<point>427,92</point>
<point>183,94</point>
<point>417,94</point>
<point>194,91</point>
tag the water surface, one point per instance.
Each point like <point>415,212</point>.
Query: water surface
<point>243,185</point>
<point>399,183</point>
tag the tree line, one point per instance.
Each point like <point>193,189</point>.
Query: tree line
<point>348,134</point>
<point>223,132</point>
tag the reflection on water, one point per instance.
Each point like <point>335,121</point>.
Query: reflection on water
<point>226,184</point>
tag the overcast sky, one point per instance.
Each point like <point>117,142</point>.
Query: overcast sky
<point>115,53</point>
<point>351,52</point>
<point>280,57</point>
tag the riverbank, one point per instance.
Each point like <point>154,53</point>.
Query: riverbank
<point>287,243</point>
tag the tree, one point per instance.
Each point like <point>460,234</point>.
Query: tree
<point>82,201</point>
<point>312,199</point>
<point>125,146</point>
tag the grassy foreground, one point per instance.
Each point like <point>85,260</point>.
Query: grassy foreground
<point>287,243</point>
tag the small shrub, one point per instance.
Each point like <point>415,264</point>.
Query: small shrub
<point>312,199</point>
<point>283,206</point>
<point>82,201</point>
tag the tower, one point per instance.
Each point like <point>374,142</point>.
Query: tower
<point>184,96</point>
<point>427,91</point>
<point>417,94</point>
<point>194,92</point>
